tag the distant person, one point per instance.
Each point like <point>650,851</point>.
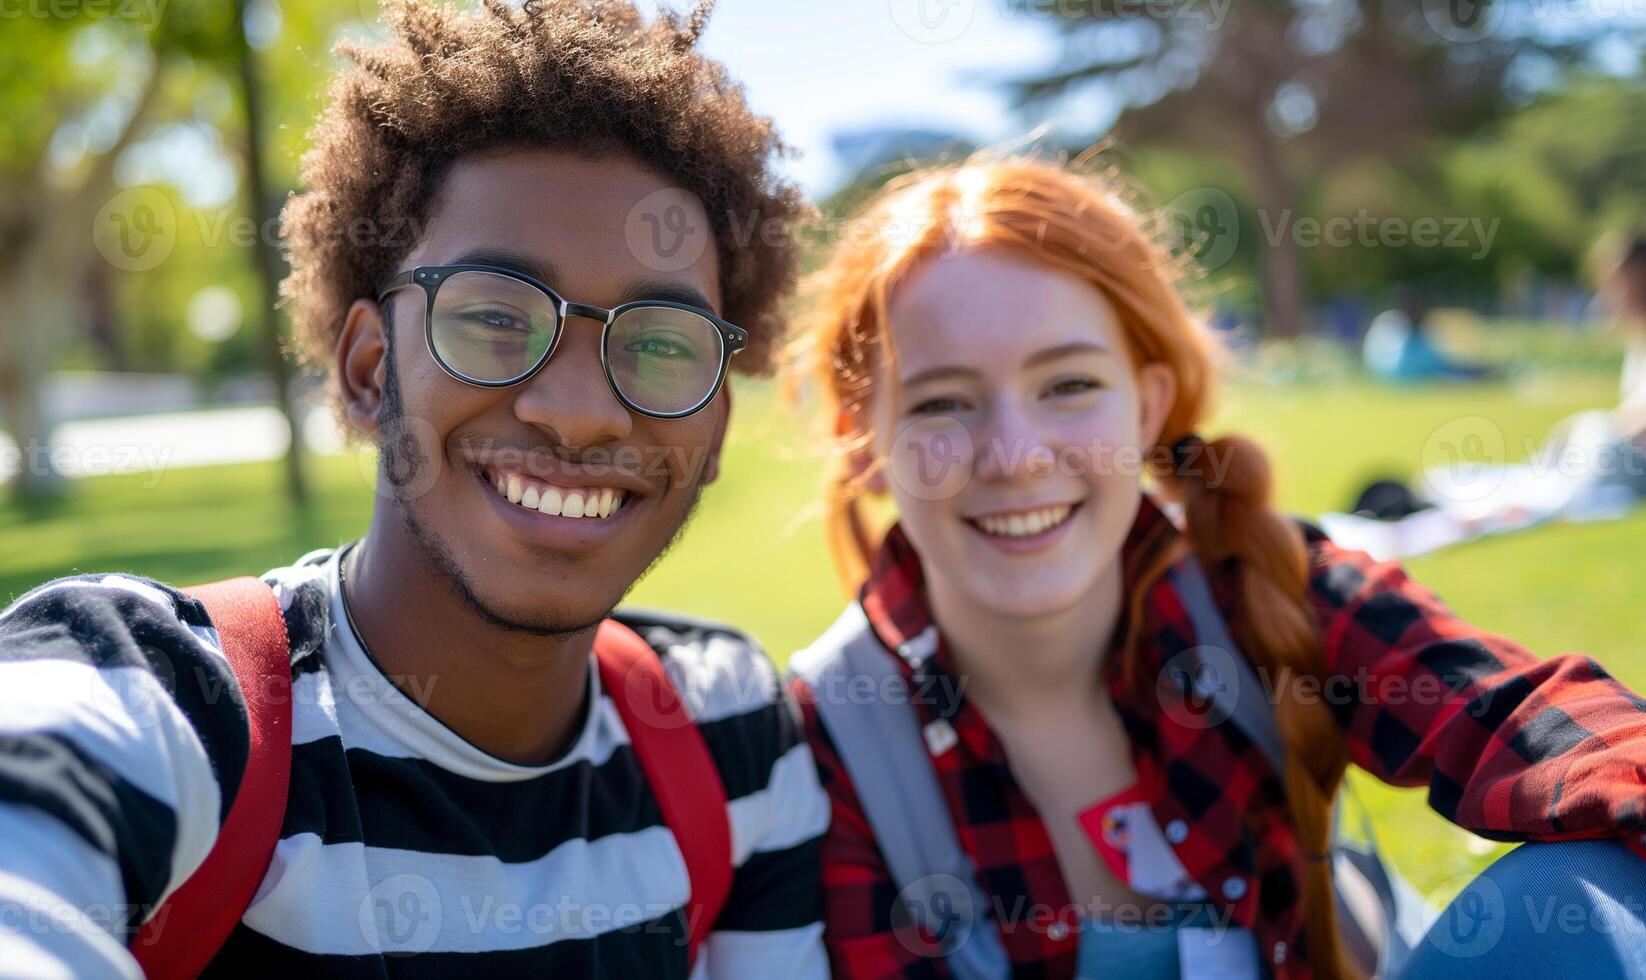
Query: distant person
<point>1591,467</point>
<point>1399,350</point>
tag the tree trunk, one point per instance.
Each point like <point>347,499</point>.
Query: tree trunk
<point>267,258</point>
<point>21,357</point>
<point>1283,291</point>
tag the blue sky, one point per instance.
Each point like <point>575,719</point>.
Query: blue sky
<point>819,68</point>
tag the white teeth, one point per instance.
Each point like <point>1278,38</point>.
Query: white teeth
<point>1025,525</point>
<point>591,503</point>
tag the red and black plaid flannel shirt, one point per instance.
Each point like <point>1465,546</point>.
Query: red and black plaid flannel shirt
<point>1511,747</point>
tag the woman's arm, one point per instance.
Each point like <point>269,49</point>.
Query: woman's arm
<point>858,890</point>
<point>1511,746</point>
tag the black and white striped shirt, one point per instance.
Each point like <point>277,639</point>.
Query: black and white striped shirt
<point>405,851</point>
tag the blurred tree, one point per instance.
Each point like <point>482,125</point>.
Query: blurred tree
<point>1292,89</point>
<point>80,95</point>
<point>64,132</point>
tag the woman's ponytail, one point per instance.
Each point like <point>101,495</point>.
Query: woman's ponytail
<point>1225,490</point>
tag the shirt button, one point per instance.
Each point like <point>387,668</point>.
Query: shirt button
<point>1280,953</point>
<point>1234,889</point>
<point>1057,932</point>
<point>1177,831</point>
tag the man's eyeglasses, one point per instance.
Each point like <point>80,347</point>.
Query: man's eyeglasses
<point>495,327</point>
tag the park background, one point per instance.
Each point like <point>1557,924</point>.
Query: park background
<point>146,147</point>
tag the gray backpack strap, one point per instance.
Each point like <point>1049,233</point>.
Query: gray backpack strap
<point>864,703</point>
<point>1217,671</point>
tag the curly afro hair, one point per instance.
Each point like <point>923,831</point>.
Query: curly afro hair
<point>593,74</point>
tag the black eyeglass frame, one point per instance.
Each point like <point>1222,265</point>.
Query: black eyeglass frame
<point>733,338</point>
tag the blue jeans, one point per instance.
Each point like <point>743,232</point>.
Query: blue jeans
<point>1574,909</point>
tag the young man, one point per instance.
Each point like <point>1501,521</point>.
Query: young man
<point>484,189</point>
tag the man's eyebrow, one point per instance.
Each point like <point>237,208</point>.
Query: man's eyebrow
<point>513,261</point>
<point>1038,357</point>
<point>544,272</point>
<point>674,292</point>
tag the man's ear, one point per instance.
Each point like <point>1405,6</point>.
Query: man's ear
<point>362,365</point>
<point>1157,393</point>
<point>861,459</point>
<point>717,439</point>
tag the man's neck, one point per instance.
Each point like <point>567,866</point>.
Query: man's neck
<point>515,695</point>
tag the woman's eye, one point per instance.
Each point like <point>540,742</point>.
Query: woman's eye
<point>935,406</point>
<point>1074,386</point>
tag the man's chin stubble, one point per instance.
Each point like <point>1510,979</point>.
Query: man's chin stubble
<point>438,558</point>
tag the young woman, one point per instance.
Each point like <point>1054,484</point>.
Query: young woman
<point>1009,360</point>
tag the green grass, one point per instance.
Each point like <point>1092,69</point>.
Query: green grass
<point>755,553</point>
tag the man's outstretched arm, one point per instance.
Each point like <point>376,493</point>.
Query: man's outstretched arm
<point>123,737</point>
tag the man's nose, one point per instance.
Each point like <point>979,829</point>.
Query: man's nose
<point>570,396</point>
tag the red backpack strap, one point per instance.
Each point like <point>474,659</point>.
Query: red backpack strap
<point>677,764</point>
<point>201,913</point>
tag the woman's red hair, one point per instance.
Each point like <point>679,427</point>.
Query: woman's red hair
<point>1082,226</point>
